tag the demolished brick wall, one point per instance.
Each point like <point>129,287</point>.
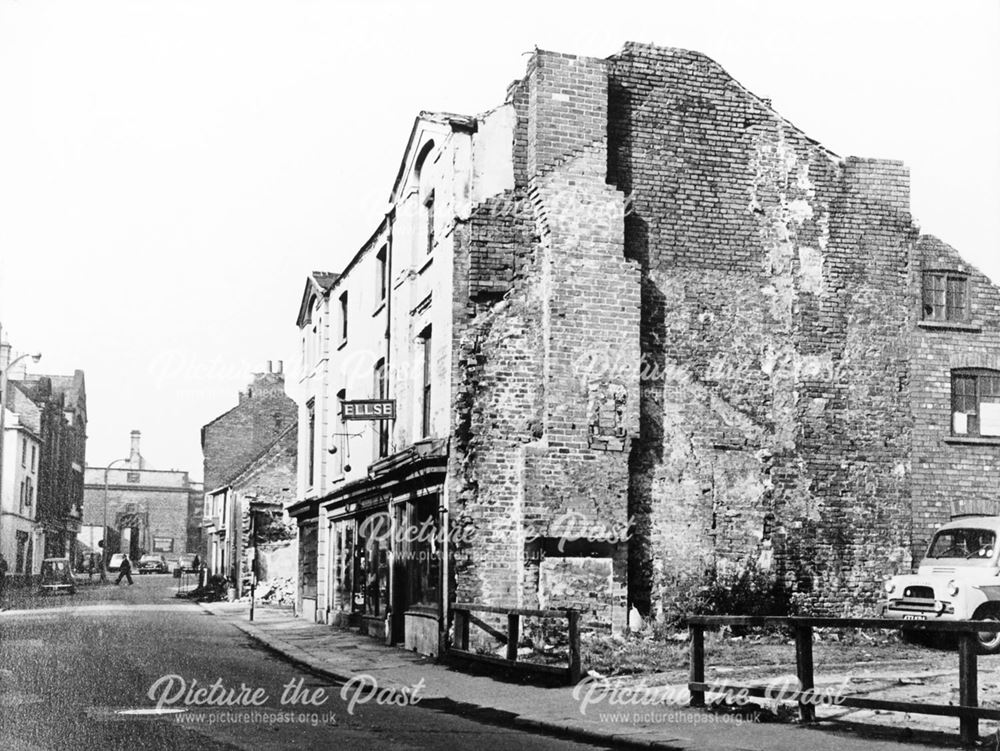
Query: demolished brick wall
<point>537,437</point>
<point>774,311</point>
<point>688,314</point>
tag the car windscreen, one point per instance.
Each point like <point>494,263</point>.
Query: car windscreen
<point>963,542</point>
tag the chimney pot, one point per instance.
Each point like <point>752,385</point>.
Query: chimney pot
<point>269,370</point>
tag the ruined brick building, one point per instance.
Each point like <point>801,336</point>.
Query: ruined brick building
<point>655,300</point>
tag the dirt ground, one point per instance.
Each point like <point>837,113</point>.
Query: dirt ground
<point>876,665</point>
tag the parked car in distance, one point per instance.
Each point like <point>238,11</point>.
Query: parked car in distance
<point>56,576</point>
<point>116,561</point>
<point>188,562</point>
<point>957,579</point>
<point>153,564</point>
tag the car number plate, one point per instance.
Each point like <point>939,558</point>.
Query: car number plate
<point>914,617</point>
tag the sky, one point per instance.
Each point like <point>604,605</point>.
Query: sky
<point>171,170</point>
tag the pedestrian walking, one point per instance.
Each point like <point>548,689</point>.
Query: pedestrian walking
<point>3,578</point>
<point>90,567</point>
<point>126,571</point>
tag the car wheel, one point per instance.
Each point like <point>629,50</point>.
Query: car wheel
<point>989,642</point>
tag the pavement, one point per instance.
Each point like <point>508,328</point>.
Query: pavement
<point>342,655</point>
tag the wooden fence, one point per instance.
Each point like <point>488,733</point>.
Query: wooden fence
<point>967,710</point>
<point>463,618</point>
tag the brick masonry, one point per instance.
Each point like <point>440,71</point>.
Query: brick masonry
<point>231,440</point>
<point>688,312</point>
<point>547,287</point>
<point>946,472</point>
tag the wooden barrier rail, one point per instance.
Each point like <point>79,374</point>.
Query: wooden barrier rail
<point>462,612</point>
<point>967,710</point>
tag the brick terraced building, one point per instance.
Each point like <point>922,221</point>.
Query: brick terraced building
<point>653,300</point>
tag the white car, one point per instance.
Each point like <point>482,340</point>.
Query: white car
<point>958,579</point>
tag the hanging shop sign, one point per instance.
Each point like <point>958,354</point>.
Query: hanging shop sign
<point>368,409</point>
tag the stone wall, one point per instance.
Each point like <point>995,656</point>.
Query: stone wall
<point>155,501</point>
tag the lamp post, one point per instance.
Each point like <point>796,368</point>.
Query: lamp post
<point>3,409</point>
<point>104,529</point>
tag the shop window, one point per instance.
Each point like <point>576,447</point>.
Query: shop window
<point>371,567</point>
<point>975,403</point>
<point>945,296</point>
<point>343,588</point>
<point>424,552</point>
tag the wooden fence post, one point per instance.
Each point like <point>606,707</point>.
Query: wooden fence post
<point>513,635</point>
<point>804,670</point>
<point>697,671</point>
<point>968,689</point>
<point>574,646</point>
<point>462,629</point>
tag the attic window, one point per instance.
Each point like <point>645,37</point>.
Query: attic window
<point>945,296</point>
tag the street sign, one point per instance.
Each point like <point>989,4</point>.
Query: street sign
<point>368,409</point>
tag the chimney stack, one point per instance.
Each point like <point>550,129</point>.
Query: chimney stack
<point>135,458</point>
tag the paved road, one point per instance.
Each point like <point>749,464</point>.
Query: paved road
<point>76,672</point>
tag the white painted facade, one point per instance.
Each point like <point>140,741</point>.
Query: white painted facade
<point>20,542</point>
<point>383,328</point>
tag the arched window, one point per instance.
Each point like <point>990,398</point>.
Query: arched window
<point>426,194</point>
<point>975,402</point>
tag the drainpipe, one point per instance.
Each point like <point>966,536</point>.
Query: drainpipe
<point>445,534</point>
<point>390,217</point>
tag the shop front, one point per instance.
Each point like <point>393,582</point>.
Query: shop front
<point>359,555</point>
<point>383,559</point>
